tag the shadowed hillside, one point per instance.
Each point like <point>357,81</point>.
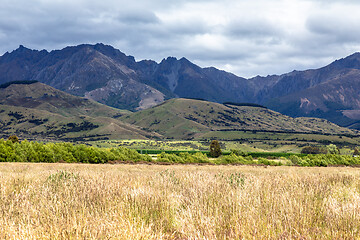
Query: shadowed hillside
<point>42,112</point>
<point>189,118</point>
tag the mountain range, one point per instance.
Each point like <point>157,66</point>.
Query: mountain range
<point>102,73</point>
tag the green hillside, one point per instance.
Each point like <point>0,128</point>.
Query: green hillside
<point>195,119</point>
<point>38,111</point>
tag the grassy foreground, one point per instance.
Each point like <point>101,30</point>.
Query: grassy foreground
<point>82,201</point>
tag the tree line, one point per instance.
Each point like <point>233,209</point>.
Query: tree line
<point>12,150</point>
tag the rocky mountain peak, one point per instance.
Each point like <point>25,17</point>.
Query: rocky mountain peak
<point>352,61</point>
<point>24,54</point>
<point>168,60</point>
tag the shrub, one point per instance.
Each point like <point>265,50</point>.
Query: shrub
<point>183,157</point>
<point>239,152</point>
<point>313,150</point>
<point>234,159</point>
<point>356,152</point>
<point>13,138</point>
<point>126,154</point>
<point>333,149</point>
<point>170,158</point>
<point>295,160</point>
<point>268,162</point>
<point>324,160</point>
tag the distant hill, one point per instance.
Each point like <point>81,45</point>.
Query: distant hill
<point>104,74</point>
<point>190,118</point>
<point>38,111</point>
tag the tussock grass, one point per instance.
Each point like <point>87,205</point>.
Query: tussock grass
<point>78,201</point>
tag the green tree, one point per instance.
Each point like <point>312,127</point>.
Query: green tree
<point>313,150</point>
<point>356,152</point>
<point>215,150</point>
<point>333,149</point>
<point>13,138</point>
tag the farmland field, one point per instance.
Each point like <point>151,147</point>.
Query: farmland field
<point>83,201</point>
<point>248,142</point>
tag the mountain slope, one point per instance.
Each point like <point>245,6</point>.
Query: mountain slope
<point>39,111</point>
<point>334,96</point>
<point>296,81</point>
<point>98,72</point>
<point>106,75</point>
<point>185,79</point>
<point>189,118</point>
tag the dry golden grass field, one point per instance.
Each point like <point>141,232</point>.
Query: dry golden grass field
<point>83,201</point>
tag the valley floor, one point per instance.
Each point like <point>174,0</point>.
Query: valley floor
<point>83,201</point>
<point>276,143</point>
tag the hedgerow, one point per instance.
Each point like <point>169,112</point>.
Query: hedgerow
<point>26,151</point>
<point>324,160</point>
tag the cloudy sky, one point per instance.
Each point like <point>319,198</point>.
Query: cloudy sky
<point>246,37</point>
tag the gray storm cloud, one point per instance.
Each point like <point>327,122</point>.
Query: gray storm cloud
<point>247,37</point>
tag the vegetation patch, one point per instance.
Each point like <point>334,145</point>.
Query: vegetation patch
<point>13,150</point>
<point>26,151</point>
<point>243,104</point>
<point>5,85</point>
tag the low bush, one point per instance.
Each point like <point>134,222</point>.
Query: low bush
<point>169,158</point>
<point>324,160</point>
<point>265,161</point>
<point>239,152</point>
<point>314,150</point>
<point>235,159</point>
<point>183,157</point>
